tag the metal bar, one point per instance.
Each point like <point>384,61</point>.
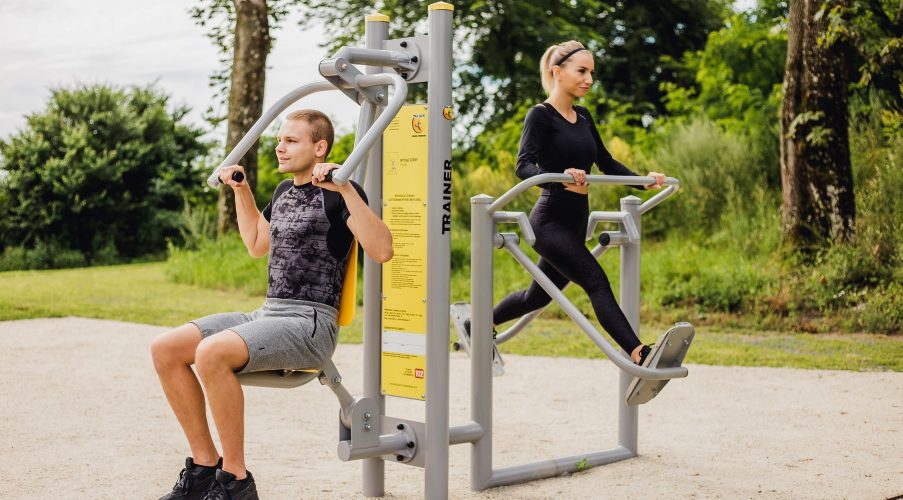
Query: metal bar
<point>439,97</point>
<point>660,197</point>
<point>556,467</point>
<point>622,180</point>
<point>367,56</point>
<point>621,361</point>
<point>466,433</point>
<point>342,174</point>
<point>373,469</point>
<point>482,230</point>
<point>388,443</point>
<point>630,304</point>
<point>525,320</point>
<point>262,123</point>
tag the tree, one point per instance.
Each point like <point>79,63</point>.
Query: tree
<point>249,42</point>
<point>102,171</point>
<point>816,174</point>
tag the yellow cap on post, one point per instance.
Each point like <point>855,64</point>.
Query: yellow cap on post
<point>379,18</point>
<point>442,6</point>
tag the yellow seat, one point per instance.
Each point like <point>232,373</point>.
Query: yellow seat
<point>348,300</point>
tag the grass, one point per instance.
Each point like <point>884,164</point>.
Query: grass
<point>141,293</point>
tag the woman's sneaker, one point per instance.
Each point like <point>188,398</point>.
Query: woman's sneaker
<point>669,352</point>
<point>460,313</point>
<point>226,487</point>
<point>194,481</point>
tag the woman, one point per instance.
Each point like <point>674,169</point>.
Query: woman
<point>560,137</point>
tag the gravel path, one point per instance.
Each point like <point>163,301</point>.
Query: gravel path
<point>82,416</point>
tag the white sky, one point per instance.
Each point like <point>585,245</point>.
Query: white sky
<point>51,43</point>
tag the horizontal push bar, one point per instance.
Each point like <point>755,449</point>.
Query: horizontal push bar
<point>618,180</point>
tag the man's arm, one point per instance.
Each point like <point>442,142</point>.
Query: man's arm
<point>253,227</point>
<point>372,233</point>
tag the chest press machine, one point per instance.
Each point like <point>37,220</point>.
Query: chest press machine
<point>366,433</point>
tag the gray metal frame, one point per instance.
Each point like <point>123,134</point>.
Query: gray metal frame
<point>366,433</point>
<point>485,216</point>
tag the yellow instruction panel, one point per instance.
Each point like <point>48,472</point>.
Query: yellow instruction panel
<point>405,168</point>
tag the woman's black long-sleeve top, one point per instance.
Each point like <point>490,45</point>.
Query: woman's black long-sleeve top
<point>550,144</point>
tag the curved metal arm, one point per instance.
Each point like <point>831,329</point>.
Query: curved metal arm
<point>341,175</point>
<point>660,197</point>
<point>262,123</point>
<point>621,180</point>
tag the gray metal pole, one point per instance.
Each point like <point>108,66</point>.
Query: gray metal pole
<point>439,96</point>
<point>630,304</point>
<point>482,233</point>
<point>377,31</point>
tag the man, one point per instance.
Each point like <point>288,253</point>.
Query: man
<point>308,229</point>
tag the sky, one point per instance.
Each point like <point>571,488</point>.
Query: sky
<point>47,44</point>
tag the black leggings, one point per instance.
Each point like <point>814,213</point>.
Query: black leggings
<point>559,220</point>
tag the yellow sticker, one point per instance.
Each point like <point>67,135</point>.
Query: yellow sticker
<point>405,167</point>
<point>448,112</point>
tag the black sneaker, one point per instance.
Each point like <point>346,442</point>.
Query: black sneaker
<point>644,353</point>
<point>226,487</point>
<point>194,481</point>
<point>498,364</point>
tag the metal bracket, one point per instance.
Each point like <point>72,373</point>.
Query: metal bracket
<point>365,423</point>
<point>521,220</point>
<point>417,70</point>
<point>411,430</point>
<point>628,228</point>
<point>341,73</point>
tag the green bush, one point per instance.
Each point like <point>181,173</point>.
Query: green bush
<point>681,272</point>
<point>883,313</point>
<point>101,172</point>
<point>722,175</point>
<point>44,255</point>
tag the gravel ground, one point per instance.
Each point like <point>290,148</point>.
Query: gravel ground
<point>82,416</point>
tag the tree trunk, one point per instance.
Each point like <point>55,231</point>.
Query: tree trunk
<point>816,175</point>
<point>250,49</point>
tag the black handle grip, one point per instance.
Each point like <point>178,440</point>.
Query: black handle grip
<point>328,176</point>
<point>237,176</point>
<point>604,239</point>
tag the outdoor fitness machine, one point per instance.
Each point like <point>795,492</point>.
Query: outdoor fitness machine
<point>637,384</point>
<point>402,157</point>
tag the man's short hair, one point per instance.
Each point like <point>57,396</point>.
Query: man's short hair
<point>320,126</point>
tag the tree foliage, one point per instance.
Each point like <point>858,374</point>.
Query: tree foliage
<point>499,42</point>
<point>102,170</point>
<point>874,29</point>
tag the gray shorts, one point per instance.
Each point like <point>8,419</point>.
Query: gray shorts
<point>282,334</point>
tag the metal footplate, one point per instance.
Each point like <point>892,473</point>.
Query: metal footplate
<point>668,352</point>
<point>460,311</point>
